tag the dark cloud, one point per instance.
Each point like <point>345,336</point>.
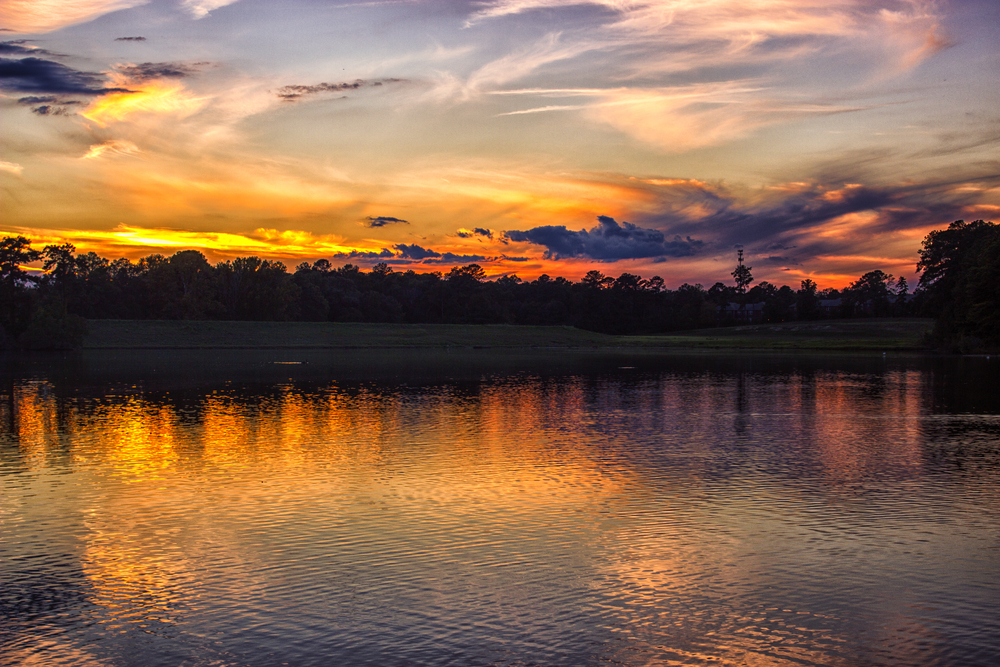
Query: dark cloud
<point>130,39</point>
<point>478,231</point>
<point>35,75</point>
<point>295,92</point>
<point>49,105</point>
<point>51,110</point>
<point>20,47</point>
<point>452,258</point>
<point>415,252</point>
<point>358,254</point>
<point>150,71</point>
<point>407,254</point>
<point>796,221</point>
<point>46,99</point>
<point>515,259</point>
<point>607,242</point>
<point>799,211</point>
<point>383,220</point>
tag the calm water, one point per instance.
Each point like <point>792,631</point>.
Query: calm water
<point>499,509</point>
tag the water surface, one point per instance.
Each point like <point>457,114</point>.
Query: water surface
<point>484,508</point>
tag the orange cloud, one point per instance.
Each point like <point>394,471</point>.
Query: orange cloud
<point>156,97</point>
<point>26,16</point>
<point>114,146</point>
<point>11,168</point>
<point>133,241</point>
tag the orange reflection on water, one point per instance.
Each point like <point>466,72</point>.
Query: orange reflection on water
<point>138,437</point>
<point>867,424</point>
<point>34,422</point>
<point>190,491</point>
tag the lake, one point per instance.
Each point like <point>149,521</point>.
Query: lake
<point>479,507</point>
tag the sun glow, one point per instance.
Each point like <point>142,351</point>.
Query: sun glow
<point>155,97</point>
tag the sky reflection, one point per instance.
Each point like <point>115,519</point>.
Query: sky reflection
<point>770,513</point>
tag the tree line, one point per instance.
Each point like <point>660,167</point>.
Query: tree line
<point>50,309</point>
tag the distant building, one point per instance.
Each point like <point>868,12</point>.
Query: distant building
<point>830,307</point>
<point>751,313</point>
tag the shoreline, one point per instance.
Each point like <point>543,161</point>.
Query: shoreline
<point>888,334</point>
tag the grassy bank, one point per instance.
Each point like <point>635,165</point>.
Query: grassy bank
<point>168,334</point>
<point>871,334</point>
<point>884,334</point>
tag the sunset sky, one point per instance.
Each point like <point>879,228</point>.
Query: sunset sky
<point>529,136</point>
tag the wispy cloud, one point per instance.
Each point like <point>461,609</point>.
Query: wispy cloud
<point>703,72</point>
<point>112,147</point>
<point>202,8</point>
<point>34,16</point>
<point>292,93</point>
<point>11,167</point>
<point>150,71</point>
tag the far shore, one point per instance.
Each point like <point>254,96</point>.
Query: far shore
<point>886,334</point>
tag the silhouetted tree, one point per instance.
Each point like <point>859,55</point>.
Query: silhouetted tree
<point>872,294</point>
<point>807,301</point>
<point>960,274</point>
<point>15,284</point>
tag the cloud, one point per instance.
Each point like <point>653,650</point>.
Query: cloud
<point>11,167</point>
<point>694,74</point>
<point>134,242</point>
<point>52,110</point>
<point>415,252</point>
<point>512,67</point>
<point>34,16</point>
<point>682,118</point>
<point>130,39</point>
<point>35,75</point>
<point>151,71</point>
<point>294,92</point>
<point>114,147</point>
<point>155,97</point>
<point>49,105</point>
<point>21,47</point>
<point>408,254</point>
<point>383,220</point>
<point>812,224</point>
<point>365,254</point>
<point>478,231</point>
<point>606,242</point>
<point>452,258</point>
<point>201,8</point>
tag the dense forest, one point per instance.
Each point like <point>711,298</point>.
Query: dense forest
<point>960,271</point>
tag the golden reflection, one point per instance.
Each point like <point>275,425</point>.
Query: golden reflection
<point>42,650</point>
<point>138,437</point>
<point>299,460</point>
<point>131,578</point>
<point>35,422</point>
